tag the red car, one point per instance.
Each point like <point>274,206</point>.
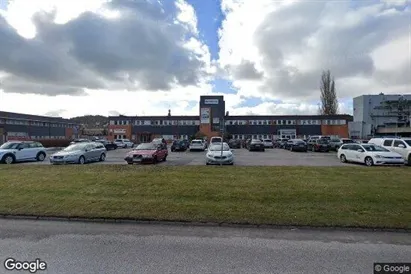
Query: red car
<point>147,153</point>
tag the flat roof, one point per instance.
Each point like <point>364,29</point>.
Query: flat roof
<point>23,116</point>
<point>239,117</point>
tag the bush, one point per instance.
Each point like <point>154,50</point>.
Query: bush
<point>55,142</point>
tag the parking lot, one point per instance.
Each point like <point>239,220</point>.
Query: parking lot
<point>242,157</point>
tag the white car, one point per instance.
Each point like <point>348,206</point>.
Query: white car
<point>198,145</point>
<point>219,154</point>
<point>20,151</point>
<point>268,143</point>
<point>368,154</point>
<point>124,143</point>
<point>399,145</point>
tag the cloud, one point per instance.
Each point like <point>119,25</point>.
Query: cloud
<point>143,48</point>
<point>291,42</point>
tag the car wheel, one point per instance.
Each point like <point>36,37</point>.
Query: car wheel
<point>313,149</point>
<point>207,164</point>
<point>368,161</point>
<point>81,160</point>
<point>165,158</point>
<point>291,148</point>
<point>41,156</point>
<point>343,159</point>
<point>409,160</point>
<point>8,159</point>
<point>155,160</point>
<point>130,163</point>
<point>102,157</point>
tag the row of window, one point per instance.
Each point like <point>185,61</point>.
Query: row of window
<point>229,122</point>
<point>34,123</point>
<point>286,122</point>
<point>158,123</point>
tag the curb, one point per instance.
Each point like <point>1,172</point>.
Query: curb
<point>202,224</point>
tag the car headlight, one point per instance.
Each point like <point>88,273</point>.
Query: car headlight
<point>378,156</point>
<point>210,155</point>
<point>69,156</point>
<point>145,156</point>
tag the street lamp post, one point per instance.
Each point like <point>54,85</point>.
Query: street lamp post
<point>222,140</point>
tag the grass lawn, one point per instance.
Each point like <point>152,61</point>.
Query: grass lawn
<point>315,196</point>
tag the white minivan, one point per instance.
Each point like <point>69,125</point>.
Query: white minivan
<point>400,145</point>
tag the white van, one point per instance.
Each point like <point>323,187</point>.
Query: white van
<point>399,145</point>
<point>216,139</point>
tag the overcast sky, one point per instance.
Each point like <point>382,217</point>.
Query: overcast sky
<point>143,57</point>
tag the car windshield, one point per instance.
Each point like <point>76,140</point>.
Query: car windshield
<point>255,141</point>
<point>146,147</point>
<point>267,141</point>
<point>408,142</point>
<point>218,148</point>
<point>335,140</point>
<point>75,147</point>
<point>216,140</point>
<point>322,141</point>
<point>374,148</point>
<point>9,145</point>
<point>196,142</point>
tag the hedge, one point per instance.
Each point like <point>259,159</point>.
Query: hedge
<point>55,142</point>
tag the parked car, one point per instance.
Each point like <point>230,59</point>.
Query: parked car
<point>107,144</point>
<point>186,142</point>
<point>219,154</point>
<point>401,146</point>
<point>123,143</point>
<point>256,145</point>
<point>75,141</point>
<point>216,139</point>
<point>268,143</point>
<point>20,151</point>
<point>147,153</point>
<point>80,153</point>
<point>233,143</point>
<point>197,145</point>
<point>335,143</point>
<point>282,142</point>
<point>178,145</point>
<point>297,145</point>
<point>159,141</point>
<point>368,154</point>
<point>318,145</point>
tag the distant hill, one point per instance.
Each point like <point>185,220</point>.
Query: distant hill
<point>91,121</point>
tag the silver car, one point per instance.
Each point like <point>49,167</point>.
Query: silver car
<point>80,153</point>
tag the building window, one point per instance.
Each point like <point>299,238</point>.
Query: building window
<point>343,122</point>
<point>260,122</point>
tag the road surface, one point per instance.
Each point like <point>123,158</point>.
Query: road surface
<point>76,247</point>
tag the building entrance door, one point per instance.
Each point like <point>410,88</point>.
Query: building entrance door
<point>145,138</point>
<point>288,133</point>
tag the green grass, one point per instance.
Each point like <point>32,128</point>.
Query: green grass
<point>314,196</point>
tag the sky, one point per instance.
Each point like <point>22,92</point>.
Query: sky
<point>144,57</point>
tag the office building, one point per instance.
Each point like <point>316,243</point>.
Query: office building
<point>213,119</point>
<point>380,115</point>
<point>17,126</point>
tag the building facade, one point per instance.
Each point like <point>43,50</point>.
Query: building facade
<point>213,119</point>
<point>379,115</point>
<point>17,126</point>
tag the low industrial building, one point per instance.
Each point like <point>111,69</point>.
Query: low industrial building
<point>213,119</point>
<point>381,115</point>
<point>18,126</point>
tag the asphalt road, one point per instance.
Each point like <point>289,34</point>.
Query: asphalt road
<point>75,247</point>
<point>243,157</point>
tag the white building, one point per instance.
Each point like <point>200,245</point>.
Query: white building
<point>381,115</point>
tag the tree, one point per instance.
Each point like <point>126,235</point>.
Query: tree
<point>329,101</point>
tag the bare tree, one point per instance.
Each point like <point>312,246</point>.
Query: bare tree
<point>329,100</point>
